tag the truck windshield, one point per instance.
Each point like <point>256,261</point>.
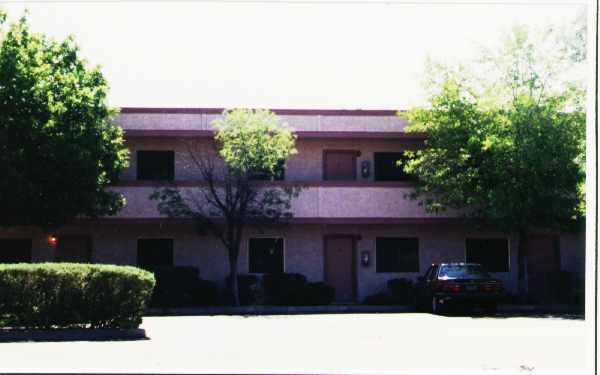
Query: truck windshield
<point>466,271</point>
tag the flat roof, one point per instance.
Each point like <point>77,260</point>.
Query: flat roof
<point>279,111</point>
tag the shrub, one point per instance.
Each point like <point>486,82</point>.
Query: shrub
<point>181,287</point>
<point>283,288</point>
<point>383,298</point>
<point>315,294</point>
<point>292,289</point>
<point>399,292</point>
<point>402,291</point>
<point>48,295</point>
<point>249,290</point>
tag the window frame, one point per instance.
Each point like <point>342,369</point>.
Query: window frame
<point>139,170</point>
<point>508,250</point>
<point>283,245</point>
<point>418,271</point>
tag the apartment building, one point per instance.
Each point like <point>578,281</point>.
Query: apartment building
<point>353,227</point>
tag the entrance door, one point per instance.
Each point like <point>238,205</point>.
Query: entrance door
<point>339,165</point>
<point>542,265</point>
<point>76,249</point>
<point>340,267</point>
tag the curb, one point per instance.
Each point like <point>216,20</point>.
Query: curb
<point>76,334</point>
<point>277,310</point>
<point>339,309</point>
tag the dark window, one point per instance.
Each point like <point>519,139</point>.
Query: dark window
<point>265,255</point>
<point>155,252</point>
<point>277,175</point>
<point>397,254</point>
<point>155,165</point>
<point>15,250</point>
<point>387,168</point>
<point>491,253</point>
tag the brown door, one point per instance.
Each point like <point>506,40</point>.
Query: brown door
<point>339,165</point>
<point>75,249</point>
<point>340,266</point>
<point>542,266</point>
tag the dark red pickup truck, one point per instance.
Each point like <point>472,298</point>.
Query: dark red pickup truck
<point>458,285</point>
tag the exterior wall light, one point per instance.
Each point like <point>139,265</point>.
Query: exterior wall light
<point>365,258</point>
<point>365,169</point>
<point>52,240</point>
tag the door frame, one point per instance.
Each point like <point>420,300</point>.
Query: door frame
<point>353,274</point>
<point>355,153</point>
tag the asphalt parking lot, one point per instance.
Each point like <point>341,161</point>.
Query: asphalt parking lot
<point>325,343</point>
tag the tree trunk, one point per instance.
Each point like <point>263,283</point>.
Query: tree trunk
<point>233,278</point>
<point>522,257</point>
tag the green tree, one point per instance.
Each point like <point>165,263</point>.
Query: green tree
<point>505,147</point>
<point>248,144</point>
<point>58,148</point>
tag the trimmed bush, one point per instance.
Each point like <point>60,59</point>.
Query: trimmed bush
<point>181,287</point>
<point>379,299</point>
<point>50,295</point>
<point>402,291</point>
<point>283,288</point>
<point>248,287</point>
<point>315,294</point>
<point>399,292</point>
<point>292,289</point>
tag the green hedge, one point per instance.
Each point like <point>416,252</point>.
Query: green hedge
<point>58,295</point>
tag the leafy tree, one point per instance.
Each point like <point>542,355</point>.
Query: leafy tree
<point>58,148</point>
<point>505,148</point>
<point>229,198</point>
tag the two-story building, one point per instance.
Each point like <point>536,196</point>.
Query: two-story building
<point>353,226</point>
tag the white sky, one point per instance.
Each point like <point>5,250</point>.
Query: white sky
<point>210,54</point>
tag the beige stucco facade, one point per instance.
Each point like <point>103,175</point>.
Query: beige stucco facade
<point>364,208</point>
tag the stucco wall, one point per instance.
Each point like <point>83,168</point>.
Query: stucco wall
<point>303,248</point>
<point>201,121</point>
<point>313,202</point>
<point>306,165</point>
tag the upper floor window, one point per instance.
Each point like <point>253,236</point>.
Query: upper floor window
<point>154,252</point>
<point>491,253</point>
<point>339,164</point>
<point>387,168</point>
<point>265,255</point>
<point>277,175</point>
<point>15,250</point>
<point>156,165</point>
<point>396,254</point>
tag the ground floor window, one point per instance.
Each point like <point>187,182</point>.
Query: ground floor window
<point>154,252</point>
<point>15,250</point>
<point>265,255</point>
<point>397,254</point>
<point>492,253</point>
